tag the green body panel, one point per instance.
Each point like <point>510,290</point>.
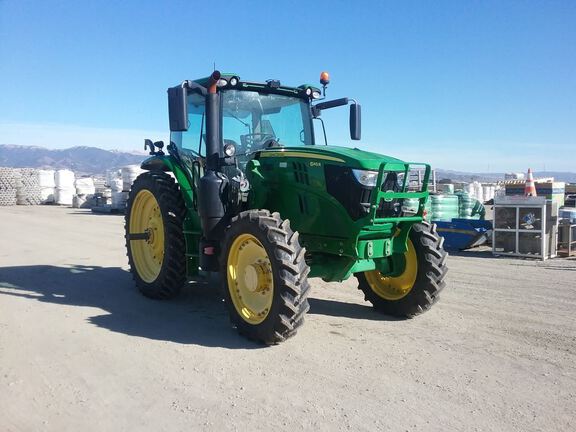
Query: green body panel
<point>291,180</point>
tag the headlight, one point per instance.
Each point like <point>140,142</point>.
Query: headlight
<point>230,150</point>
<point>222,82</point>
<point>233,81</point>
<point>366,178</point>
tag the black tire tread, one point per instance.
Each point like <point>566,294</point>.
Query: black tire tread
<point>291,286</point>
<point>172,276</point>
<point>429,283</point>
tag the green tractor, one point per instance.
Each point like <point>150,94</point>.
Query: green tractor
<point>245,191</point>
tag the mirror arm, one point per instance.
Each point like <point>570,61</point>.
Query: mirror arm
<point>195,87</point>
<point>323,130</point>
<point>331,104</point>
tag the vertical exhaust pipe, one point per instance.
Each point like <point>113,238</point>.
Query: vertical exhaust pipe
<point>210,200</point>
<point>213,81</point>
<point>213,123</point>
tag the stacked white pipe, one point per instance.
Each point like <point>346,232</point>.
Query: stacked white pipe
<point>112,179</point>
<point>129,174</point>
<point>85,191</point>
<point>65,188</point>
<point>47,186</point>
<point>488,192</point>
<point>85,186</point>
<point>7,187</point>
<point>114,182</point>
<point>27,186</point>
<point>474,189</point>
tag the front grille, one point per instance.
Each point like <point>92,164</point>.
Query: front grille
<point>341,184</point>
<point>391,208</point>
<point>356,198</point>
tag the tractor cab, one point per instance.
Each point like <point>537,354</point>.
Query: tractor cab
<point>252,117</point>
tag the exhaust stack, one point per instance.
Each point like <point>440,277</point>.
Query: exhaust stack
<point>212,184</point>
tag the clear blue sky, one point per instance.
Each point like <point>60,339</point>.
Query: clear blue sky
<point>465,85</point>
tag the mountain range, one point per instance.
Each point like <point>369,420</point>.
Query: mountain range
<point>93,161</point>
<point>559,176</point>
<point>82,160</point>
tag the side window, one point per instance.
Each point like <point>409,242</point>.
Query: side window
<point>191,139</point>
<point>234,127</point>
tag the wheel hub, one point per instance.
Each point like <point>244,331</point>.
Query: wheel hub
<point>146,217</point>
<point>256,277</point>
<point>250,278</point>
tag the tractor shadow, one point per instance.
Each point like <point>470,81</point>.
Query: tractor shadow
<point>198,316</point>
<point>355,311</point>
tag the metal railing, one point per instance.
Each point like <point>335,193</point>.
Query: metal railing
<point>389,195</point>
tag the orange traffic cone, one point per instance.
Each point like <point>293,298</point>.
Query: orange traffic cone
<point>530,188</point>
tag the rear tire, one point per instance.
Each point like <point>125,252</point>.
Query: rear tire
<point>429,280</point>
<point>156,193</point>
<point>264,276</point>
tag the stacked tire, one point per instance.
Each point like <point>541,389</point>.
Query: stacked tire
<point>7,187</point>
<point>28,186</point>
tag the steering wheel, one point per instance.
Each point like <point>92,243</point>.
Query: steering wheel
<point>255,140</point>
<point>271,142</point>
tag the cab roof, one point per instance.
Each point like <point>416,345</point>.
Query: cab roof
<point>270,86</point>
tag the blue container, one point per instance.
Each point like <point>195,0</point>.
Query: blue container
<point>464,233</point>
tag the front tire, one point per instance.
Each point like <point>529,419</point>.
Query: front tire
<point>154,239</point>
<point>416,289</point>
<point>265,276</point>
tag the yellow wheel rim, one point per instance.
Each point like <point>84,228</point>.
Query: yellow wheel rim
<point>145,217</point>
<point>397,287</point>
<point>250,281</point>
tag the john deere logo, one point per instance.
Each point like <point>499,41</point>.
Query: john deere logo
<point>389,199</point>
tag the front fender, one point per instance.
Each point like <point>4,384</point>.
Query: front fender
<point>162,163</point>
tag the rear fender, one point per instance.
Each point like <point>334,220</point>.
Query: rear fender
<point>192,228</point>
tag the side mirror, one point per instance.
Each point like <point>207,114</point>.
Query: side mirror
<point>177,109</point>
<point>355,121</point>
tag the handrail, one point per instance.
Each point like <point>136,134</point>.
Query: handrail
<point>388,196</point>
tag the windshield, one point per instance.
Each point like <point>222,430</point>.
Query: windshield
<point>253,121</point>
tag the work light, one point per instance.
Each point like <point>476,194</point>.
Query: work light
<point>229,149</point>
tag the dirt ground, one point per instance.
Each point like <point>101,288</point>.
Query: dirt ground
<point>81,349</point>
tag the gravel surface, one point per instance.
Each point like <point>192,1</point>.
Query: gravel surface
<point>81,349</point>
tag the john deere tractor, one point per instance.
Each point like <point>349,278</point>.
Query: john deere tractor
<point>246,191</point>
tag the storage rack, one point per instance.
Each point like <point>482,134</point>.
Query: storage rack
<point>567,239</point>
<point>525,226</point>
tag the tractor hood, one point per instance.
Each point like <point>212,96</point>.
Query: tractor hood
<point>352,157</point>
